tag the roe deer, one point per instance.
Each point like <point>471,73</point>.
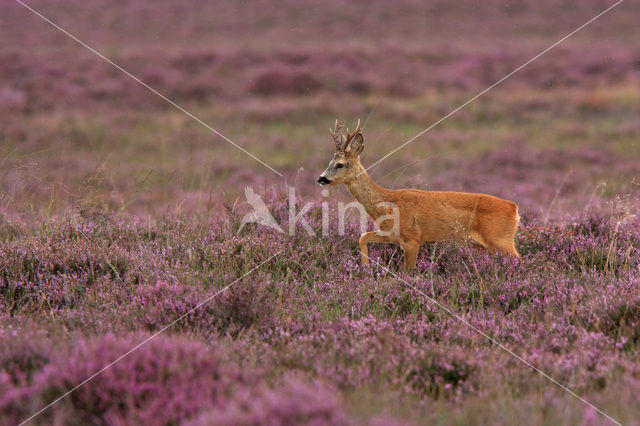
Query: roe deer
<point>424,216</point>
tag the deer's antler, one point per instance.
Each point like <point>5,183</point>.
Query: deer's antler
<point>350,136</point>
<point>335,133</point>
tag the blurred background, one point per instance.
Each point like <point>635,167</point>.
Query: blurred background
<point>114,208</point>
<point>77,133</point>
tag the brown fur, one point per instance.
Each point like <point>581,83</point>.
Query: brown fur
<point>425,216</point>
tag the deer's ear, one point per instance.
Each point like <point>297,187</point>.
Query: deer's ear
<point>356,145</point>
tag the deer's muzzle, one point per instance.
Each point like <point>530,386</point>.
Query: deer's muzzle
<point>323,180</point>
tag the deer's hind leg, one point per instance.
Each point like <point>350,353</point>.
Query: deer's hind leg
<point>478,241</point>
<point>411,249</point>
<point>506,245</point>
<point>503,243</point>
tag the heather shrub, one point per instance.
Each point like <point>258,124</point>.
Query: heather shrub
<point>401,304</point>
<point>59,272</point>
<point>606,244</point>
<point>437,374</point>
<point>8,230</point>
<point>376,353</point>
<point>244,305</point>
<point>22,356</point>
<point>293,402</point>
<point>164,381</point>
<point>283,80</point>
<point>615,312</point>
<point>11,98</point>
<point>595,243</point>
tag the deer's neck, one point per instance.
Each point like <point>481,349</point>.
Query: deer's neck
<point>367,192</point>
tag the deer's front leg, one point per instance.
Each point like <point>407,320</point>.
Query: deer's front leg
<point>374,237</point>
<point>410,254</point>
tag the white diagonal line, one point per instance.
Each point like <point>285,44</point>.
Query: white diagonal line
<point>144,341</point>
<point>494,84</point>
<point>494,341</point>
<point>149,88</point>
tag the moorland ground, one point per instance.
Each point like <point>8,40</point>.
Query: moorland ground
<point>119,213</point>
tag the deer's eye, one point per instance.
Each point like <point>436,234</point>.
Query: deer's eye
<point>339,166</point>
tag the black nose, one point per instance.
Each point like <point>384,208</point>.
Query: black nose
<point>323,180</point>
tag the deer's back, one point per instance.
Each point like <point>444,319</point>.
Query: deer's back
<point>436,215</point>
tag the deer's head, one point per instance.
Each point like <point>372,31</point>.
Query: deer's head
<point>343,167</point>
